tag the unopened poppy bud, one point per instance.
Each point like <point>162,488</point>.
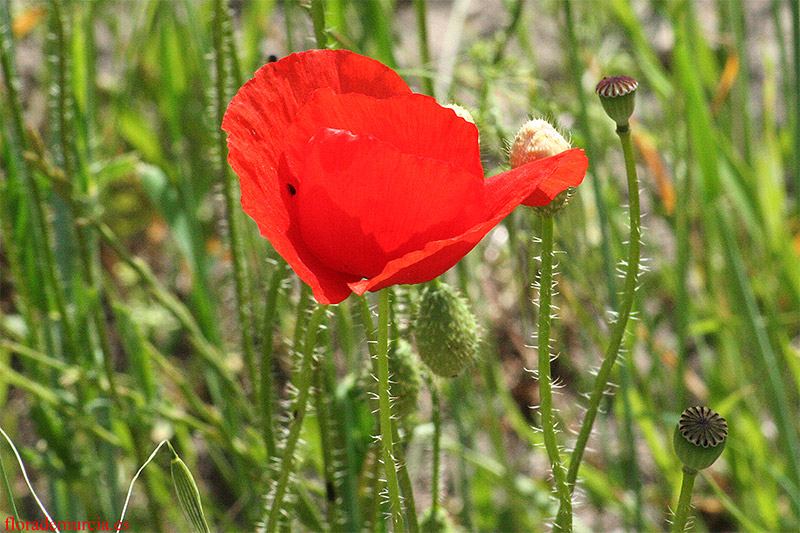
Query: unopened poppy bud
<point>536,140</point>
<point>617,96</point>
<point>445,330</point>
<point>699,438</point>
<point>461,112</point>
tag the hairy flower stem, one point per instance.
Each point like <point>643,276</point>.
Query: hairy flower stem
<point>684,501</point>
<point>267,387</point>
<point>297,414</point>
<point>387,443</point>
<point>240,275</point>
<point>404,481</point>
<point>618,329</point>
<point>564,521</point>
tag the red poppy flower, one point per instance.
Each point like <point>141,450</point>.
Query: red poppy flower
<point>359,183</point>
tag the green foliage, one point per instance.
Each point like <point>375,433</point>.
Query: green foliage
<point>122,310</point>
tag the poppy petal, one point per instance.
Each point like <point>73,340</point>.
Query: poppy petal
<point>256,121</point>
<point>361,202</point>
<point>568,174</point>
<point>414,124</point>
<point>503,193</point>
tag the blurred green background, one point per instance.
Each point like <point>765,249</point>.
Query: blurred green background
<point>129,314</point>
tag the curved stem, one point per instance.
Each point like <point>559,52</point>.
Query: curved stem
<point>437,444</point>
<point>298,413</point>
<point>618,329</point>
<point>564,520</point>
<point>685,501</point>
<point>387,444</point>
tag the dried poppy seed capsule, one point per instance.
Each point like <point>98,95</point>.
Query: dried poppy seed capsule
<point>617,96</point>
<point>535,140</point>
<point>445,330</point>
<point>699,438</point>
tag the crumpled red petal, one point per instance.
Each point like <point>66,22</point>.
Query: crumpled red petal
<point>383,203</point>
<point>503,192</point>
<point>569,174</point>
<point>267,104</point>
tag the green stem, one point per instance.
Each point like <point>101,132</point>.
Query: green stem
<point>795,10</point>
<point>436,414</point>
<point>422,31</point>
<point>267,387</point>
<point>564,520</point>
<point>386,411</point>
<point>318,17</point>
<point>685,501</point>
<point>591,152</point>
<point>406,489</point>
<point>618,329</point>
<point>222,20</point>
<point>298,412</point>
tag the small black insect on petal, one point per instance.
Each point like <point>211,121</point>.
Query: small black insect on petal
<point>292,190</point>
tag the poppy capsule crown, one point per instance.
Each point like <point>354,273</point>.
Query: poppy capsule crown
<point>617,96</point>
<point>699,437</point>
<point>360,184</point>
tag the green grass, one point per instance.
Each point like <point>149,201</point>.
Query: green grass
<point>138,303</point>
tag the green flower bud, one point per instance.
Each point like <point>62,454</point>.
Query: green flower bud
<point>617,96</point>
<point>699,438</point>
<point>446,331</point>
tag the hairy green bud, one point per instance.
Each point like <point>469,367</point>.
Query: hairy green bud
<point>446,331</point>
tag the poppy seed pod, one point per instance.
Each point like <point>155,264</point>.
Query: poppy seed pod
<point>446,331</point>
<point>538,139</point>
<point>617,96</point>
<point>699,438</point>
